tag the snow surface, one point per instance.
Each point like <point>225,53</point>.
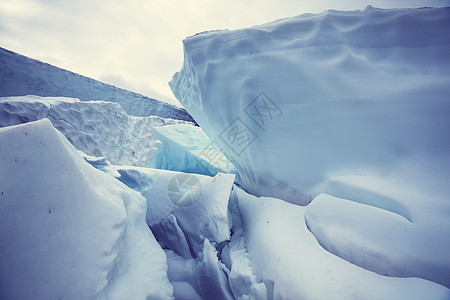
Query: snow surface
<point>382,226</point>
<point>295,266</point>
<point>20,76</point>
<point>346,110</point>
<point>68,230</point>
<point>297,101</point>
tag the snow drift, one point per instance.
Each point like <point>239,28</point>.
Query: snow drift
<point>295,266</point>
<point>68,230</point>
<point>300,100</point>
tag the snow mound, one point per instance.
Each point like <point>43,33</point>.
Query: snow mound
<point>22,76</point>
<point>382,226</point>
<point>98,128</point>
<point>300,100</point>
<point>294,266</point>
<point>68,230</point>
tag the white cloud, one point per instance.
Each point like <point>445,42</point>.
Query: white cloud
<point>139,41</point>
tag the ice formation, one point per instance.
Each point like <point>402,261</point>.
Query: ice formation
<point>297,101</point>
<point>345,112</point>
<point>186,148</point>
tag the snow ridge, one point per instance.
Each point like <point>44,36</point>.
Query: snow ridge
<point>20,76</point>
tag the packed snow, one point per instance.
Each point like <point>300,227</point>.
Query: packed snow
<point>297,101</point>
<point>320,170</point>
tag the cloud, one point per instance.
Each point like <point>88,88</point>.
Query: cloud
<point>137,43</point>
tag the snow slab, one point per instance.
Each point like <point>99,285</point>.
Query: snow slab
<point>297,101</point>
<point>293,265</point>
<point>68,230</point>
<point>26,76</point>
<point>198,203</point>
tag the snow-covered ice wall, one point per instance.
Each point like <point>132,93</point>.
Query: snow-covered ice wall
<point>20,76</point>
<point>300,100</point>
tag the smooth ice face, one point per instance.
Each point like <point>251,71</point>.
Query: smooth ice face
<point>68,230</point>
<point>185,147</point>
<point>300,100</point>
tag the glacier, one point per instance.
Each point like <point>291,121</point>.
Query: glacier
<point>320,168</point>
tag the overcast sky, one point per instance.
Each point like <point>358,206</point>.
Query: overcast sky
<point>136,44</point>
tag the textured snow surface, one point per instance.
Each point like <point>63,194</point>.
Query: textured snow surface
<point>68,230</point>
<point>297,101</point>
<point>295,266</point>
<point>97,128</point>
<point>20,76</point>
